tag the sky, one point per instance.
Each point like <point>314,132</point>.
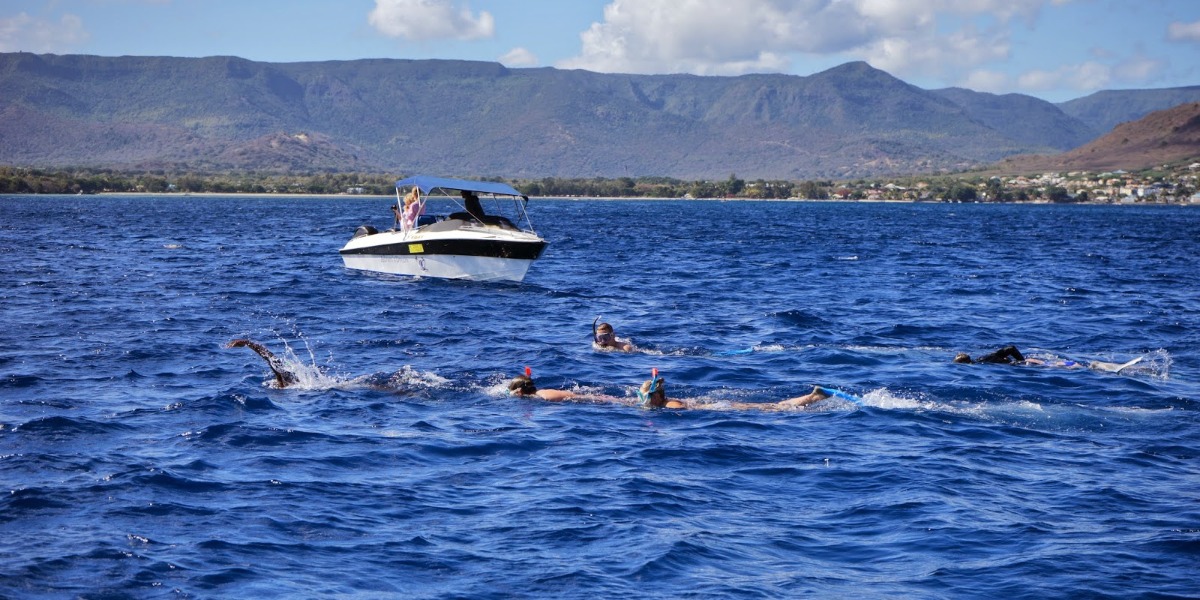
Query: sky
<point>1057,50</point>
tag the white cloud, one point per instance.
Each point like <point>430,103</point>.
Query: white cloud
<point>1184,32</point>
<point>1138,68</point>
<point>429,20</point>
<point>1083,76</point>
<point>722,37</point>
<point>711,36</point>
<point>938,54</point>
<point>26,33</point>
<point>1092,75</point>
<point>519,57</point>
<point>1089,76</point>
<point>983,80</point>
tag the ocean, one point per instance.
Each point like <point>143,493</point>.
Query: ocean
<point>141,458</point>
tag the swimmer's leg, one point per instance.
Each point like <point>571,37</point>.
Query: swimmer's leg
<point>816,395</point>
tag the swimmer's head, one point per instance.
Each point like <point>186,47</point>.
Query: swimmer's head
<point>604,334</point>
<point>653,393</point>
<point>962,357</point>
<point>522,385</point>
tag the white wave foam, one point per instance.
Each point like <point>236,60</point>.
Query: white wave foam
<point>311,376</point>
<point>408,377</point>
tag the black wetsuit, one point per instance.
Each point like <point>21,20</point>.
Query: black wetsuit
<point>1007,355</point>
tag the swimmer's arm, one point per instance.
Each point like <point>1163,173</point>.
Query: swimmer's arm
<point>283,377</point>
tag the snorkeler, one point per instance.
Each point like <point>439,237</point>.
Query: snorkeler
<point>1011,356</point>
<point>283,377</point>
<point>1008,355</point>
<point>604,337</point>
<point>653,394</point>
<point>522,385</point>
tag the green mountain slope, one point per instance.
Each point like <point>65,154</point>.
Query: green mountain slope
<point>478,119</point>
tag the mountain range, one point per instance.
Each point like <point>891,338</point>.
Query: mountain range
<point>483,119</point>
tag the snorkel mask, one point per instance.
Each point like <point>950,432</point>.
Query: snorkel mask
<point>527,388</point>
<point>647,397</point>
<point>602,338</point>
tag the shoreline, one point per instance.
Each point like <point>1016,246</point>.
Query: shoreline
<point>262,195</point>
<point>609,198</point>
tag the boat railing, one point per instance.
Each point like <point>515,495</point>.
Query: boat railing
<point>490,219</point>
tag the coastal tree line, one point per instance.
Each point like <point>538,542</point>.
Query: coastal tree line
<point>15,180</point>
<point>960,188</point>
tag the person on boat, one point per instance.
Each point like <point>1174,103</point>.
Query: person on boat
<point>605,337</point>
<point>413,208</point>
<point>653,394</point>
<point>283,377</point>
<point>473,206</point>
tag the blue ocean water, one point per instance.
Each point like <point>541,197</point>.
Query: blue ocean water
<point>140,458</point>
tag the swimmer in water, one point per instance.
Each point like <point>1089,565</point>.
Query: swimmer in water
<point>653,394</point>
<point>604,337</point>
<point>283,377</point>
<point>1011,356</point>
<point>522,385</point>
<point>1008,355</point>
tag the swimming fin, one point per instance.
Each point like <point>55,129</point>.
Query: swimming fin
<point>1109,367</point>
<point>842,395</point>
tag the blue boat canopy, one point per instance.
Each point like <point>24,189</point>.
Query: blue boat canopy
<point>428,184</point>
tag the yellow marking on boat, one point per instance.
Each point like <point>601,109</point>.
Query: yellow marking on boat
<point>416,248</point>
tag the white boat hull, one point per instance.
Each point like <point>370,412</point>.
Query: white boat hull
<point>475,252</point>
<point>474,268</point>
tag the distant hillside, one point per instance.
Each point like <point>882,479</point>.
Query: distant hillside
<point>1159,138</point>
<point>1106,109</point>
<point>1027,120</point>
<point>479,119</point>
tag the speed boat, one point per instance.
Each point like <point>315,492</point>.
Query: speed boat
<point>469,243</point>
